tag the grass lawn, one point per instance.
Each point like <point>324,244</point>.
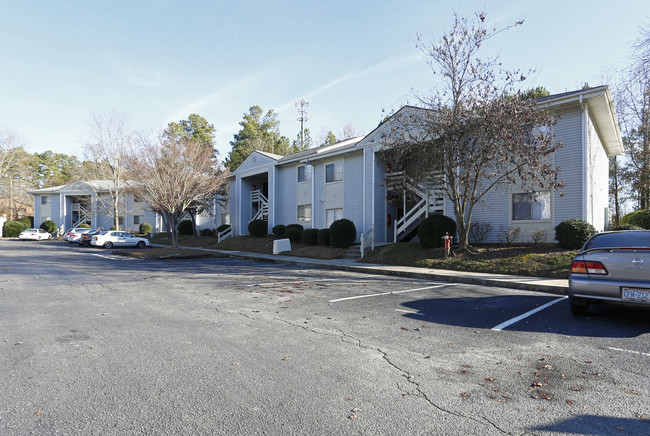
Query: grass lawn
<point>526,260</point>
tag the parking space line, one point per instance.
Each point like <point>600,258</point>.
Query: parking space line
<point>527,314</point>
<point>391,293</point>
<point>410,312</point>
<point>641,353</point>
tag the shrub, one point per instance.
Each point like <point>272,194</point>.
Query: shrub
<point>279,230</point>
<point>479,231</point>
<point>12,229</point>
<point>145,228</point>
<point>573,233</point>
<point>49,226</point>
<point>310,236</point>
<point>185,228</point>
<point>206,232</point>
<point>538,235</point>
<point>258,228</point>
<point>222,227</point>
<point>509,234</point>
<point>294,232</point>
<point>624,227</point>
<point>27,221</point>
<point>324,237</point>
<point>342,233</point>
<point>639,218</point>
<point>84,226</point>
<point>433,228</point>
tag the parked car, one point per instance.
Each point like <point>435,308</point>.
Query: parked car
<point>117,238</point>
<point>86,237</point>
<point>72,235</point>
<point>612,267</point>
<point>36,234</point>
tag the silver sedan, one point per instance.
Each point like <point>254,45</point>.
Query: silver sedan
<point>612,267</point>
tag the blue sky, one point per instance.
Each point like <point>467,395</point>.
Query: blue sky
<point>159,61</point>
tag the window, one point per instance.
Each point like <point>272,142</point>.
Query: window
<point>531,206</point>
<point>304,212</point>
<point>45,200</point>
<point>225,218</point>
<point>332,215</point>
<point>120,220</point>
<point>137,219</point>
<point>334,172</point>
<point>304,173</point>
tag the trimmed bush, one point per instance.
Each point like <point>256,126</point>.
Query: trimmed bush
<point>27,221</point>
<point>206,232</point>
<point>624,227</point>
<point>84,226</point>
<point>49,226</point>
<point>279,230</point>
<point>185,228</point>
<point>310,236</point>
<point>145,228</point>
<point>222,227</point>
<point>573,233</point>
<point>294,232</point>
<point>12,229</point>
<point>258,228</point>
<point>324,237</point>
<point>639,218</point>
<point>433,228</point>
<point>342,233</point>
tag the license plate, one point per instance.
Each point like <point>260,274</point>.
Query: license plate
<point>635,294</point>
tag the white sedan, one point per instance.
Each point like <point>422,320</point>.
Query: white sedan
<point>35,234</point>
<point>116,238</point>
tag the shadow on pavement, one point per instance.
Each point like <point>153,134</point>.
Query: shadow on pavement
<point>488,312</point>
<point>598,425</point>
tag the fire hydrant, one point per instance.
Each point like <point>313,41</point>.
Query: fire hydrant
<point>446,241</point>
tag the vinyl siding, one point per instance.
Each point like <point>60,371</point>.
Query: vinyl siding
<point>353,196</point>
<point>597,183</point>
<point>568,201</point>
<point>285,195</point>
<point>318,208</point>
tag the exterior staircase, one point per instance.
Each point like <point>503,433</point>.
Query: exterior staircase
<point>419,201</point>
<point>257,198</point>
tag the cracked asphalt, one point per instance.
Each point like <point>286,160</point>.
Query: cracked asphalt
<point>92,343</point>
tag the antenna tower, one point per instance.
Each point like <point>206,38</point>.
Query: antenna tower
<point>303,116</point>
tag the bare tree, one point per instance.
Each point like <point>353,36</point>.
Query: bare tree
<point>108,147</point>
<point>9,148</point>
<point>634,114</point>
<point>477,132</point>
<point>175,173</point>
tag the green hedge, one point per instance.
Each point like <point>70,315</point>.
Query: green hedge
<point>573,233</point>
<point>258,228</point>
<point>49,226</point>
<point>324,237</point>
<point>294,232</point>
<point>343,233</point>
<point>310,236</point>
<point>206,232</point>
<point>185,228</point>
<point>639,218</point>
<point>279,230</point>
<point>145,228</point>
<point>433,228</point>
<point>12,229</point>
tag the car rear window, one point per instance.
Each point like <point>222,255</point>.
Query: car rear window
<point>633,239</point>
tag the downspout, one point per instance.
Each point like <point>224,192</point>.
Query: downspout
<point>585,159</point>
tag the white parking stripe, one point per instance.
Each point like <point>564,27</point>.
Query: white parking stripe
<point>527,314</point>
<point>630,351</point>
<point>390,293</point>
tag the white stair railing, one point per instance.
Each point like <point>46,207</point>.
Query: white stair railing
<point>262,205</point>
<point>368,240</point>
<point>225,234</point>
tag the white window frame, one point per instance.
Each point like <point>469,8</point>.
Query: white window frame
<point>336,214</point>
<point>539,210</point>
<point>305,217</point>
<point>46,200</point>
<point>307,173</point>
<point>337,171</point>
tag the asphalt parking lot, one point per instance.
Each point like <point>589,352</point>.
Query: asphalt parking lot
<point>93,343</point>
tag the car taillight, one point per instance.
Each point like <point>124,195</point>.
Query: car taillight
<point>587,267</point>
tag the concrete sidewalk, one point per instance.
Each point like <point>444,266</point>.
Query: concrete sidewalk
<point>553,286</point>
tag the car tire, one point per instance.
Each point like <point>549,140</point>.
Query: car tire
<point>38,238</point>
<point>108,244</point>
<point>140,245</point>
<point>578,307</point>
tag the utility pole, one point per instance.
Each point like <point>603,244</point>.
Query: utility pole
<point>302,105</point>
